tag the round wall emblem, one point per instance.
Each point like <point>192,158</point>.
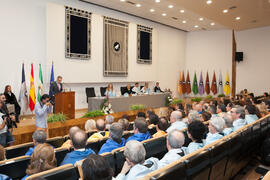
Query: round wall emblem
<point>116,46</point>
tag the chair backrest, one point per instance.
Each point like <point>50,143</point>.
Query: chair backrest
<point>127,135</point>
<point>119,160</point>
<point>18,150</point>
<point>15,168</point>
<point>102,91</point>
<point>110,158</point>
<point>155,147</point>
<point>90,133</point>
<point>56,141</point>
<point>90,92</point>
<point>152,130</point>
<point>123,89</point>
<point>95,146</point>
<point>176,172</point>
<point>60,154</point>
<point>65,172</point>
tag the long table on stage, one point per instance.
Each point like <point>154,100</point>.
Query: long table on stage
<point>123,103</point>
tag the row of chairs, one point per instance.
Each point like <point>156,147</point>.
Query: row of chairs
<point>220,160</point>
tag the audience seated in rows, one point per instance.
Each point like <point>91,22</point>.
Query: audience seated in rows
<point>71,132</point>
<point>78,141</point>
<point>140,130</point>
<point>198,108</point>
<point>90,125</point>
<point>161,127</point>
<point>196,132</point>
<point>216,126</point>
<point>250,113</point>
<point>109,119</point>
<point>238,116</point>
<point>125,123</point>
<point>115,139</point>
<point>43,159</point>
<point>176,121</point>
<point>39,137</point>
<point>101,127</point>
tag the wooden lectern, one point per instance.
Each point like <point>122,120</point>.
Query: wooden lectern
<point>65,103</point>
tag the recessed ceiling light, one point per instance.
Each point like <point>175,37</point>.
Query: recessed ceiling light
<point>122,0</point>
<point>138,5</point>
<point>209,2</point>
<point>182,11</point>
<point>196,26</point>
<point>238,18</point>
<point>184,21</point>
<point>225,10</point>
<point>164,14</point>
<point>212,24</point>
<point>152,10</point>
<point>201,19</point>
<point>170,6</point>
<point>157,1</point>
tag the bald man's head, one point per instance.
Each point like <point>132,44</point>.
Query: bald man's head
<point>100,125</point>
<point>79,139</point>
<point>72,130</point>
<point>175,139</point>
<point>176,116</point>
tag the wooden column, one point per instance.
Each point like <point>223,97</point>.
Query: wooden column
<point>233,65</point>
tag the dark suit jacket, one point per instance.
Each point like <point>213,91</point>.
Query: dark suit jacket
<point>11,99</point>
<point>54,88</point>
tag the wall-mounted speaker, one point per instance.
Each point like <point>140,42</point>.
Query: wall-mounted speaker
<point>239,56</point>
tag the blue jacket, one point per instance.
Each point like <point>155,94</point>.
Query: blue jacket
<point>4,177</point>
<point>111,145</point>
<point>74,156</point>
<point>140,137</point>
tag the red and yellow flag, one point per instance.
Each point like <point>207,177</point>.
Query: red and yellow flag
<point>32,96</point>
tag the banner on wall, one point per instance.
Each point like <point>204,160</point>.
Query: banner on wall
<point>214,84</point>
<point>195,85</point>
<point>227,87</point>
<point>220,84</point>
<point>207,84</point>
<point>201,85</point>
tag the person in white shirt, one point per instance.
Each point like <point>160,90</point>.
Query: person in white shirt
<point>250,111</point>
<point>216,126</point>
<point>134,166</point>
<point>176,121</point>
<point>238,116</point>
<point>196,132</point>
<point>228,124</point>
<point>175,140</point>
<point>136,89</point>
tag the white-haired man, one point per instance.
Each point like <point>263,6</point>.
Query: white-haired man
<point>238,116</point>
<point>216,126</point>
<point>176,121</point>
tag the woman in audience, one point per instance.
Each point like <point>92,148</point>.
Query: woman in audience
<point>124,123</point>
<point>42,159</point>
<point>11,99</point>
<point>206,116</point>
<point>196,132</point>
<point>221,109</point>
<point>2,153</point>
<point>96,167</point>
<point>229,107</point>
<point>250,111</point>
<point>216,126</point>
<point>110,91</point>
<point>90,125</point>
<point>161,127</point>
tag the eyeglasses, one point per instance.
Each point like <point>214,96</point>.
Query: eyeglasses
<point>233,112</point>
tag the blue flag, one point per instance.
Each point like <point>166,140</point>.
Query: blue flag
<point>52,80</point>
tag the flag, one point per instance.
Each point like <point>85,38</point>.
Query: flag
<point>23,98</point>
<point>51,80</point>
<point>227,88</point>
<point>220,84</point>
<point>40,84</point>
<point>183,83</point>
<point>188,86</point>
<point>195,85</point>
<point>180,89</point>
<point>32,96</point>
<point>201,86</point>
<point>214,84</point>
<point>207,84</point>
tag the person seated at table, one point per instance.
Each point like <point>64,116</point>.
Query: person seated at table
<point>238,116</point>
<point>145,89</point>
<point>216,126</point>
<point>157,88</point>
<point>250,111</point>
<point>196,132</point>
<point>110,91</point>
<point>115,139</point>
<point>140,130</point>
<point>71,132</point>
<point>136,89</point>
<point>78,141</point>
<point>43,159</point>
<point>101,127</point>
<point>177,122</point>
<point>11,99</point>
<point>161,127</point>
<point>127,91</point>
<point>39,137</point>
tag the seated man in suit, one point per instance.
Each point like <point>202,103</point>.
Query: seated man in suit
<point>175,140</point>
<point>140,130</point>
<point>101,126</point>
<point>157,88</point>
<point>135,166</point>
<point>216,127</point>
<point>39,137</point>
<point>71,132</point>
<point>78,141</point>
<point>176,121</point>
<point>238,116</point>
<point>127,91</point>
<point>115,141</point>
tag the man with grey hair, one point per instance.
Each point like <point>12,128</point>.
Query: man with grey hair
<point>175,140</point>
<point>135,163</point>
<point>176,121</point>
<point>115,141</point>
<point>228,124</point>
<point>238,116</point>
<point>109,119</point>
<point>193,116</point>
<point>216,126</point>
<point>71,131</point>
<point>39,137</point>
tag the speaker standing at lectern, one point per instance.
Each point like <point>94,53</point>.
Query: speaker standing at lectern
<point>55,88</point>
